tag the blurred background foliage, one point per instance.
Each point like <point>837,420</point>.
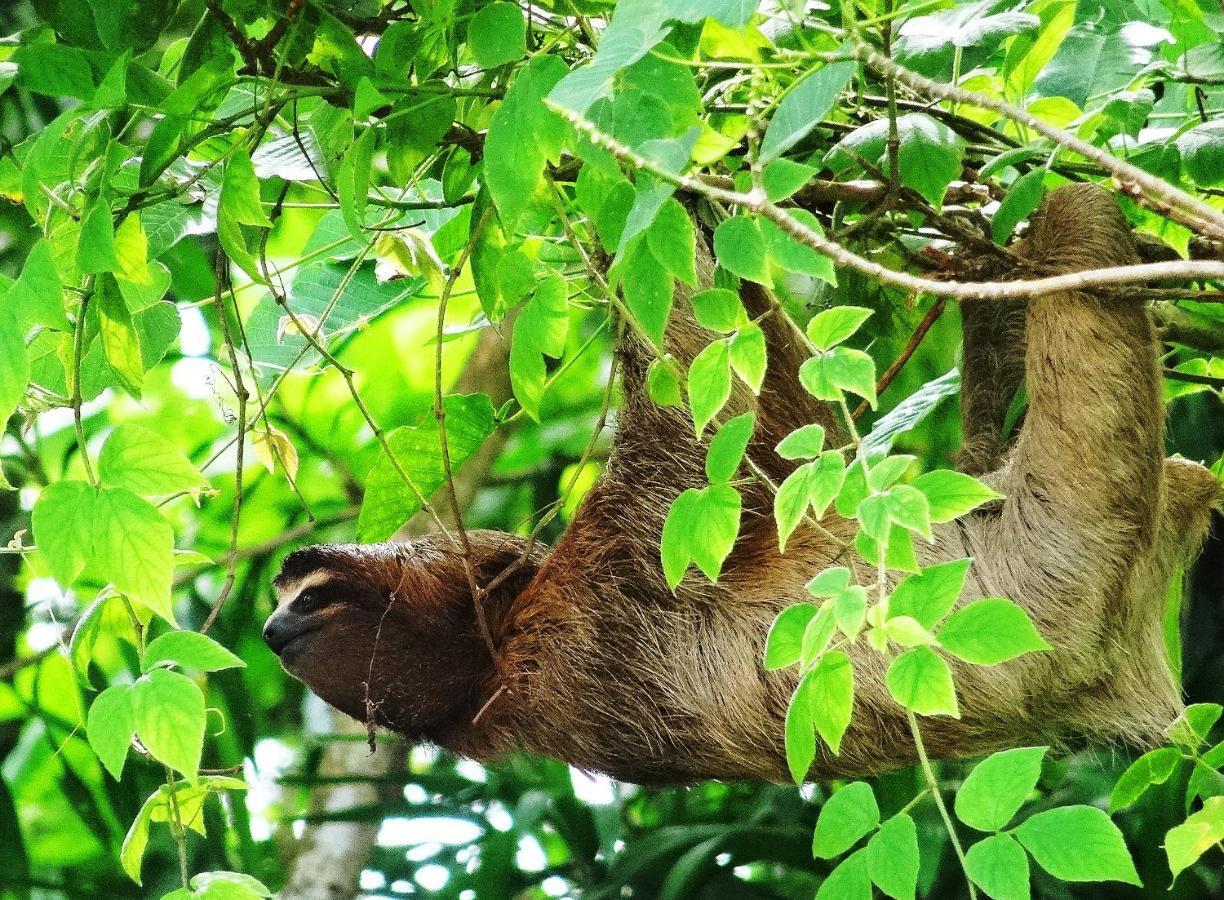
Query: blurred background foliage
<point>1144,72</point>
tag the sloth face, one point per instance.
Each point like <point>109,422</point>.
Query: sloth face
<point>382,632</point>
<point>387,633</point>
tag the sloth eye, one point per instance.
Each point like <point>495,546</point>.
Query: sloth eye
<point>310,601</point>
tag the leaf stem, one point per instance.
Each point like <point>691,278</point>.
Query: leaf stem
<point>933,784</point>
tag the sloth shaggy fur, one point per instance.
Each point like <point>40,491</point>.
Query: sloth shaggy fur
<point>605,668</point>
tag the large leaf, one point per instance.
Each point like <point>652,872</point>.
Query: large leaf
<point>998,786</point>
<point>521,135</point>
<point>803,107</point>
<point>390,500</point>
<point>169,717</point>
<point>1078,843</point>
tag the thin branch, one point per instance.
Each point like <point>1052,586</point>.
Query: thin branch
<point>231,570</point>
<point>78,350</point>
<point>908,351</point>
<point>1167,199</point>
<point>756,202</point>
<point>478,591</point>
<point>1191,378</point>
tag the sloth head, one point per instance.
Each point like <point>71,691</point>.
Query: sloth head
<point>388,633</point>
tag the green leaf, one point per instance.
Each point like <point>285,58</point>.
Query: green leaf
<point>170,718</point>
<point>999,866</point>
<point>96,245</point>
<point>952,494</point>
<point>850,610</point>
<point>748,356</point>
<point>873,516</point>
<point>118,334</point>
<point>719,309</point>
<point>998,786</point>
<point>828,472</point>
<point>929,596</point>
<point>807,102</point>
<point>785,639</point>
<point>91,625</point>
<point>888,470</point>
<point>120,535</point>
<point>190,649</point>
<point>709,384</point>
<point>846,816</point>
<point>800,736</point>
<point>841,368</point>
<point>133,546</point>
<point>648,290</point>
<point>740,248</point>
<point>906,632</point>
<point>727,448</point>
<point>830,691</point>
<point>388,501</point>
<point>1202,153</point>
<point>793,255</point>
<point>908,507</point>
<point>802,443</point>
<point>682,518</point>
<point>854,488</point>
<point>720,518</point>
<point>353,183</point>
<point>63,521</point>
<point>227,886</point>
<point>521,135</point>
<point>1153,767</point>
<point>989,632</point>
<point>1194,724</point>
<point>701,527</point>
<point>539,331</point>
<point>832,326</point>
<point>1022,198</point>
<point>146,463</point>
<point>1203,830</point>
<point>137,839</point>
<point>849,881</point>
<point>921,681</point>
<point>55,70</point>
<point>37,297</point>
<point>1078,843</point>
<point>497,34</point>
<point>930,155</point>
<point>783,177</point>
<point>110,726</point>
<point>240,205</point>
<point>791,503</point>
<point>892,857</point>
<point>14,366</point>
<point>816,636</point>
<point>672,241</point>
<point>662,385</point>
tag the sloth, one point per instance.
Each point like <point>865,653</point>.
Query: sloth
<point>597,663</point>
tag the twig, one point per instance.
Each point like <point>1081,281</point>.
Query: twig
<point>240,390</point>
<point>78,344</point>
<point>1211,381</point>
<point>13,666</point>
<point>757,202</point>
<point>478,591</point>
<point>932,315</point>
<point>1169,200</point>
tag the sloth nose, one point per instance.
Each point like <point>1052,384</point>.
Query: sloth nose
<point>279,630</point>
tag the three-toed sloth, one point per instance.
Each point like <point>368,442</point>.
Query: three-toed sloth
<point>604,667</point>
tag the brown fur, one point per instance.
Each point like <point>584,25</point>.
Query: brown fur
<point>607,669</point>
